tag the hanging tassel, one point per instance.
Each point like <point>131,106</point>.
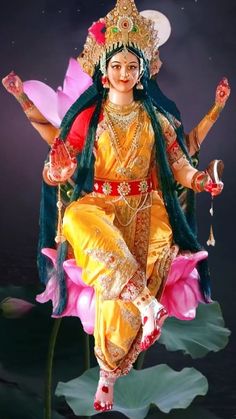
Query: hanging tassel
<point>59,237</point>
<point>211,240</point>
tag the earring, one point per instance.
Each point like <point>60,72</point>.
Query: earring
<point>139,85</point>
<point>105,82</point>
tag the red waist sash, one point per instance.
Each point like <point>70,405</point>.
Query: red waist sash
<point>122,188</point>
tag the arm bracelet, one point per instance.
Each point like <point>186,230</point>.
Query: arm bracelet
<point>214,112</point>
<point>199,181</point>
<point>25,102</point>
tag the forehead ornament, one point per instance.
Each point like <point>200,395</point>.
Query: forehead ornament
<point>124,26</point>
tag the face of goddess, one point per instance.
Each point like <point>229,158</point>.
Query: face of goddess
<point>123,71</point>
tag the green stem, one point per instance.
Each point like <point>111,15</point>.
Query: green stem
<point>140,361</point>
<point>87,362</point>
<point>48,380</point>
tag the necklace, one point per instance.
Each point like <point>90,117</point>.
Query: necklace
<point>125,162</point>
<point>123,116</point>
<point>143,204</point>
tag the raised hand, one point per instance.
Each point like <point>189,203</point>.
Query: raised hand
<point>13,84</point>
<point>61,165</point>
<point>215,170</point>
<point>214,188</point>
<point>222,92</point>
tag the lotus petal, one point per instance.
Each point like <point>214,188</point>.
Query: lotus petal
<point>64,102</point>
<point>74,272</point>
<point>76,80</point>
<point>44,98</point>
<point>80,297</point>
<point>182,293</point>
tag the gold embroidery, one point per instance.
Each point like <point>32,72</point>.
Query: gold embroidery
<point>127,363</point>
<point>142,236</point>
<point>111,259</point>
<point>101,358</point>
<point>116,352</point>
<point>172,146</point>
<point>134,287</point>
<point>133,320</point>
<point>163,265</point>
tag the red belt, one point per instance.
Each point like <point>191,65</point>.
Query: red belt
<point>122,188</point>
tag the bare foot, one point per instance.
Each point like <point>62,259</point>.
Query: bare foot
<point>104,395</point>
<point>153,317</point>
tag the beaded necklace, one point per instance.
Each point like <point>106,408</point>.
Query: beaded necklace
<point>131,113</point>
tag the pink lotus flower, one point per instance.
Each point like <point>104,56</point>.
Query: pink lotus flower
<point>54,105</point>
<point>97,30</point>
<point>13,308</point>
<point>182,293</point>
<point>81,300</point>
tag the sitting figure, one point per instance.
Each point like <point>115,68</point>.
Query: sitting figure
<point>123,148</point>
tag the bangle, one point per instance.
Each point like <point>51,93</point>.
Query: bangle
<point>25,102</point>
<point>199,181</point>
<point>214,112</point>
<point>36,121</point>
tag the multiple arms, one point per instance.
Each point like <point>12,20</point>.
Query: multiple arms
<point>62,157</point>
<point>61,165</point>
<point>199,133</point>
<point>182,170</point>
<point>62,162</point>
<point>14,85</point>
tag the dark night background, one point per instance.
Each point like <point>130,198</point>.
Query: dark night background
<point>37,38</point>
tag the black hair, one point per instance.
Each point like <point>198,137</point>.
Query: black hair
<point>155,104</point>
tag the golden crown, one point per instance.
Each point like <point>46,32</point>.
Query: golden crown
<point>123,26</point>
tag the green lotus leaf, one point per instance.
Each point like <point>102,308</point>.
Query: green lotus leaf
<point>134,393</point>
<point>18,404</point>
<point>192,412</point>
<point>199,336</point>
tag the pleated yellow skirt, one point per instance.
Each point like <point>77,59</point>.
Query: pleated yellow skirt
<point>110,242</point>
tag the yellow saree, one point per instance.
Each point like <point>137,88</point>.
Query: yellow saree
<point>114,237</point>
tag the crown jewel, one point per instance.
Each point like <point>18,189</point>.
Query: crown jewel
<point>123,26</point>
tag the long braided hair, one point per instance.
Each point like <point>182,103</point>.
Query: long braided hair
<point>155,103</point>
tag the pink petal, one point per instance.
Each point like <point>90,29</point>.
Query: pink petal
<point>51,292</point>
<point>73,292</point>
<point>86,309</point>
<point>74,272</point>
<point>80,297</point>
<point>64,102</point>
<point>182,293</point>
<point>183,265</point>
<point>44,98</point>
<point>76,80</point>
<point>50,253</point>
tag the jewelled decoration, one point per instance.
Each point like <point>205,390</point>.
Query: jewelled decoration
<point>143,186</point>
<point>125,162</point>
<point>123,26</point>
<point>59,236</point>
<point>106,188</point>
<point>123,188</point>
